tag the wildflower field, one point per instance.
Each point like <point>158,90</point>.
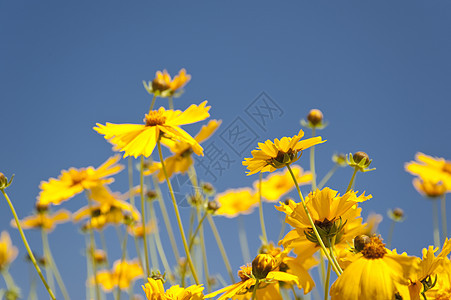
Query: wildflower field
<point>198,169</point>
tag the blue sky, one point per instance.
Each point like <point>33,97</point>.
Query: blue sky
<point>379,71</point>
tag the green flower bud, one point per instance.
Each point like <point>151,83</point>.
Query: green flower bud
<point>262,265</point>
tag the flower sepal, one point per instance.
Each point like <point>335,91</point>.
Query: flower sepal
<point>360,160</point>
<point>327,230</point>
<point>4,182</point>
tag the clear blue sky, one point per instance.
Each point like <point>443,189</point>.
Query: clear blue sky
<point>379,71</point>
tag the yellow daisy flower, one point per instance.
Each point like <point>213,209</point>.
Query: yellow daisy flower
<point>8,252</point>
<point>262,270</point>
<point>141,139</point>
<point>75,181</point>
<point>431,169</point>
<point>44,220</point>
<point>333,215</point>
<point>155,291</point>
<point>164,86</point>
<point>122,275</point>
<point>236,201</point>
<point>429,188</point>
<point>136,229</point>
<point>110,210</point>
<point>182,159</point>
<point>270,156</point>
<point>421,280</point>
<point>376,273</point>
<point>442,287</point>
<point>280,183</point>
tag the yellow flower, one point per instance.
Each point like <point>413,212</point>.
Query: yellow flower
<point>333,215</point>
<point>431,169</point>
<point>442,288</point>
<point>429,188</point>
<point>44,220</point>
<point>8,252</point>
<point>278,184</point>
<point>236,201</point>
<point>155,291</point>
<point>137,229</point>
<point>75,181</point>
<point>163,86</point>
<point>376,273</point>
<point>110,210</point>
<point>122,274</point>
<point>270,156</point>
<point>427,269</point>
<point>182,159</point>
<point>141,139</point>
<point>267,290</point>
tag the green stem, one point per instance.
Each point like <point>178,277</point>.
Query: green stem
<point>167,221</point>
<point>326,285</point>
<point>294,292</point>
<point>443,211</point>
<point>312,162</point>
<point>191,241</point>
<point>177,213</point>
<point>47,265</point>
<point>243,240</point>
<point>171,102</point>
<point>352,180</point>
<point>143,214</point>
<point>254,292</point>
<point>260,204</point>
<point>124,252</point>
<point>10,284</point>
<point>221,247</point>
<point>390,233</point>
<point>322,270</point>
<point>55,270</point>
<point>328,176</point>
<point>104,246</point>
<point>153,102</point>
<point>160,249</point>
<point>204,252</point>
<point>92,247</point>
<point>30,253</point>
<point>336,268</point>
<point>435,222</point>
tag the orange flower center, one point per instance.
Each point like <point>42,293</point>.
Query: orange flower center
<point>154,118</point>
<point>245,273</point>
<point>374,249</point>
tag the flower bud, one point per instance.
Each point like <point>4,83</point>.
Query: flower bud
<point>208,188</point>
<point>396,214</point>
<point>212,206</point>
<point>151,195</point>
<point>339,159</point>
<point>359,156</point>
<point>360,241</point>
<point>315,117</point>
<point>42,208</point>
<point>262,265</point>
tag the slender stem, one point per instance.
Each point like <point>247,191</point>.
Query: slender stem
<point>243,240</point>
<point>47,265</point>
<point>179,220</point>
<point>328,176</point>
<point>336,268</point>
<point>221,247</point>
<point>260,204</point>
<point>351,183</point>
<point>204,252</point>
<point>191,241</point>
<point>254,292</point>
<point>153,102</point>
<point>143,214</point>
<point>167,221</point>
<point>435,222</point>
<point>326,285</point>
<point>312,162</point>
<point>160,249</point>
<point>443,211</point>
<point>124,252</point>
<point>294,292</point>
<point>92,247</point>
<point>89,269</point>
<point>171,102</point>
<point>104,246</point>
<point>390,233</point>
<point>322,270</point>
<point>55,270</point>
<point>10,284</point>
<point>30,253</point>
<point>153,252</point>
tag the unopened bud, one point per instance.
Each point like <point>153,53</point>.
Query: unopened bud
<point>359,156</point>
<point>151,195</point>
<point>212,206</point>
<point>262,265</point>
<point>360,241</point>
<point>41,208</point>
<point>315,117</point>
<point>208,188</point>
